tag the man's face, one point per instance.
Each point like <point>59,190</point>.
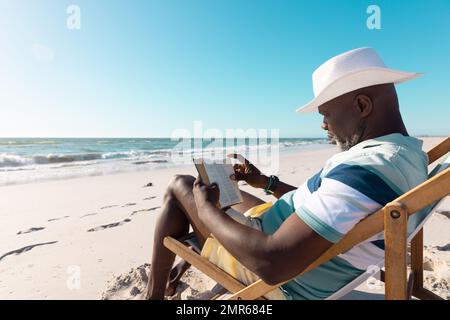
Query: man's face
<point>342,123</point>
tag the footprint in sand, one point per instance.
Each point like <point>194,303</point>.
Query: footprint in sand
<point>129,204</point>
<point>150,198</point>
<point>143,210</point>
<point>31,230</point>
<point>111,225</point>
<point>56,219</point>
<point>25,249</point>
<point>88,215</point>
<point>444,248</point>
<point>110,206</point>
<point>445,213</point>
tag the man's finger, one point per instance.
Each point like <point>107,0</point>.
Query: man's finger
<point>198,182</point>
<point>238,176</point>
<point>238,157</point>
<point>213,186</point>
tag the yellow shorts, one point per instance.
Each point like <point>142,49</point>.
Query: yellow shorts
<point>218,255</point>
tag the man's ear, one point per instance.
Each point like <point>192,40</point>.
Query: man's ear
<point>363,104</point>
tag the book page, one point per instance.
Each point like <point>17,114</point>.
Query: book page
<point>229,189</point>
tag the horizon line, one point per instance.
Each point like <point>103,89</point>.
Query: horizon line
<point>131,137</point>
<point>156,137</point>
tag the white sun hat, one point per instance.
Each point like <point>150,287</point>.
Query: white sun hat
<point>349,71</point>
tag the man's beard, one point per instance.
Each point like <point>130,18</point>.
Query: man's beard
<point>346,143</point>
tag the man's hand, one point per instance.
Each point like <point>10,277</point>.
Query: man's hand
<point>247,172</point>
<point>204,194</point>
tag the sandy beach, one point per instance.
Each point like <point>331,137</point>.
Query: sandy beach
<point>88,238</point>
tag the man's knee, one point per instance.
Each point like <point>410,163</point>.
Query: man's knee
<point>181,183</point>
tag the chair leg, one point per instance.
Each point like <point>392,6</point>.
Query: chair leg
<point>410,285</point>
<point>425,294</point>
<point>395,237</point>
<point>417,260</point>
<point>382,276</point>
<point>417,267</point>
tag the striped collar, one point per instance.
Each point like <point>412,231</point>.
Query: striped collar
<point>392,138</point>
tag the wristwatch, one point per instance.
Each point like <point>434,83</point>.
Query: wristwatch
<point>271,185</point>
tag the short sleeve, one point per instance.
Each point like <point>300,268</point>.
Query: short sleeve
<point>333,204</point>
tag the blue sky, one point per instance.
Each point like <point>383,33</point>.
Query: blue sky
<point>145,68</point>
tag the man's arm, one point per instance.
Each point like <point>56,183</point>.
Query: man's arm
<point>274,258</point>
<point>281,189</point>
<point>247,172</point>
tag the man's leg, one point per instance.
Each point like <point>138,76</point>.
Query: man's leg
<point>177,212</point>
<point>249,201</point>
<point>177,272</point>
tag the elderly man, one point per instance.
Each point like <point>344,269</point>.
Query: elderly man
<point>355,93</point>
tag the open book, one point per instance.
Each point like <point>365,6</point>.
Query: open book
<point>213,172</point>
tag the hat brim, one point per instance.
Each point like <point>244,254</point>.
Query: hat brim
<point>357,80</point>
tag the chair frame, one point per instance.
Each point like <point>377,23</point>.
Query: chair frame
<point>392,219</point>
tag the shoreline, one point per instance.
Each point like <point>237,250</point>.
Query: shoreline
<point>79,169</point>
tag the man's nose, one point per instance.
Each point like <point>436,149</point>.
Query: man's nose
<point>324,125</point>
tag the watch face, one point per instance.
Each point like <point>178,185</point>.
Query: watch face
<point>273,183</point>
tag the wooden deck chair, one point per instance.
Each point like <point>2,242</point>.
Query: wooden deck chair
<point>392,219</point>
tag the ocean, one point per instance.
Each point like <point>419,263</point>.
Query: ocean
<point>24,160</point>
